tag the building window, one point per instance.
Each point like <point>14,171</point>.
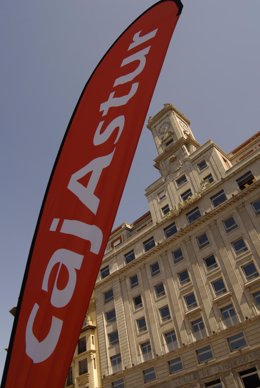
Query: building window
<point>256,296</point>
<point>116,362</point>
<point>229,315</point>
<point>175,365</point>
<point>170,340</point>
<point>159,290</point>
<point>154,268</point>
<point>149,374</point>
<point>256,206</point>
<point>108,295</point>
<point>118,384</point>
<point>209,178</point>
<point>210,262</point>
<point>104,272</point>
<point>202,165</point>
<point>229,224</point>
<point>184,277</point>
<point>161,195</point>
<point>180,181</point>
<point>111,315</point>
<point>245,180</point>
<point>177,255</point>
<point>141,324</point>
<point>83,366</point>
<point>133,281</point>
<point>250,378</point>
<point>113,338</point>
<point>204,354</point>
<point>149,244</point>
<point>146,350</point>
<point>129,256</point>
<point>137,302</point>
<point>214,384</point>
<point>236,341</point>
<point>202,240</point>
<point>69,380</point>
<point>170,230</point>
<point>190,301</point>
<point>198,329</point>
<point>82,345</point>
<point>219,286</point>
<point>239,246</point>
<point>218,198</point>
<point>250,271</point>
<point>165,313</point>
<point>193,215</point>
<point>165,210</point>
<point>186,194</point>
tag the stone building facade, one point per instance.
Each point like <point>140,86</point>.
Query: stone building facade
<point>177,301</point>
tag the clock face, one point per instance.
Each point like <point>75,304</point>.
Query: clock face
<point>164,128</point>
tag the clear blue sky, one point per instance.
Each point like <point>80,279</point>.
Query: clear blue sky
<point>48,51</point>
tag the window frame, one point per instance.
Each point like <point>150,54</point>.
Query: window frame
<point>113,341</point>
<point>218,198</point>
<point>83,366</point>
<point>161,293</point>
<point>202,240</point>
<point>256,208</point>
<point>108,298</point>
<point>202,165</point>
<point>129,256</point>
<point>219,291</point>
<point>131,280</point>
<point>210,268</point>
<point>170,230</point>
<point>165,313</point>
<point>202,351</point>
<point>155,271</point>
<point>234,339</point>
<point>149,244</point>
<point>232,226</point>
<point>82,345</point>
<point>112,318</point>
<point>141,324</point>
<point>186,279</point>
<point>192,305</point>
<point>104,271</point>
<point>140,305</point>
<point>177,361</point>
<point>186,194</point>
<point>241,250</point>
<point>190,215</point>
<point>149,374</point>
<point>254,274</point>
<point>181,180</point>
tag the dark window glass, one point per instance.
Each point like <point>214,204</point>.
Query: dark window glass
<point>146,350</point>
<point>118,384</point>
<point>186,195</point>
<point>214,384</point>
<point>202,240</point>
<point>170,340</point>
<point>165,313</point>
<point>170,230</point>
<point>159,290</point>
<point>210,262</point>
<point>180,181</point>
<point>245,180</point>
<point>113,337</point>
<point>149,244</point>
<point>116,362</point>
<point>138,302</point>
<point>161,195</point>
<point>236,341</point>
<point>190,300</point>
<point>219,286</point>
<point>165,210</point>
<point>177,255</point>
<point>108,295</point>
<point>204,354</point>
<point>209,178</point>
<point>256,296</point>
<point>218,198</point>
<point>104,272</point>
<point>149,374</point>
<point>175,365</point>
<point>239,246</point>
<point>83,366</point>
<point>155,269</point>
<point>133,281</point>
<point>250,378</point>
<point>256,206</point>
<point>230,224</point>
<point>198,329</point>
<point>82,345</point>
<point>184,277</point>
<point>193,215</point>
<point>250,271</point>
<point>69,380</point>
<point>129,256</point>
<point>202,165</point>
<point>141,324</point>
<point>111,315</point>
<point>229,315</point>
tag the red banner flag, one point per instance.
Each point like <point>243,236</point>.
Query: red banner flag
<point>81,201</point>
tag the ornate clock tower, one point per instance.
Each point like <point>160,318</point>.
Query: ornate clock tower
<point>173,138</point>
